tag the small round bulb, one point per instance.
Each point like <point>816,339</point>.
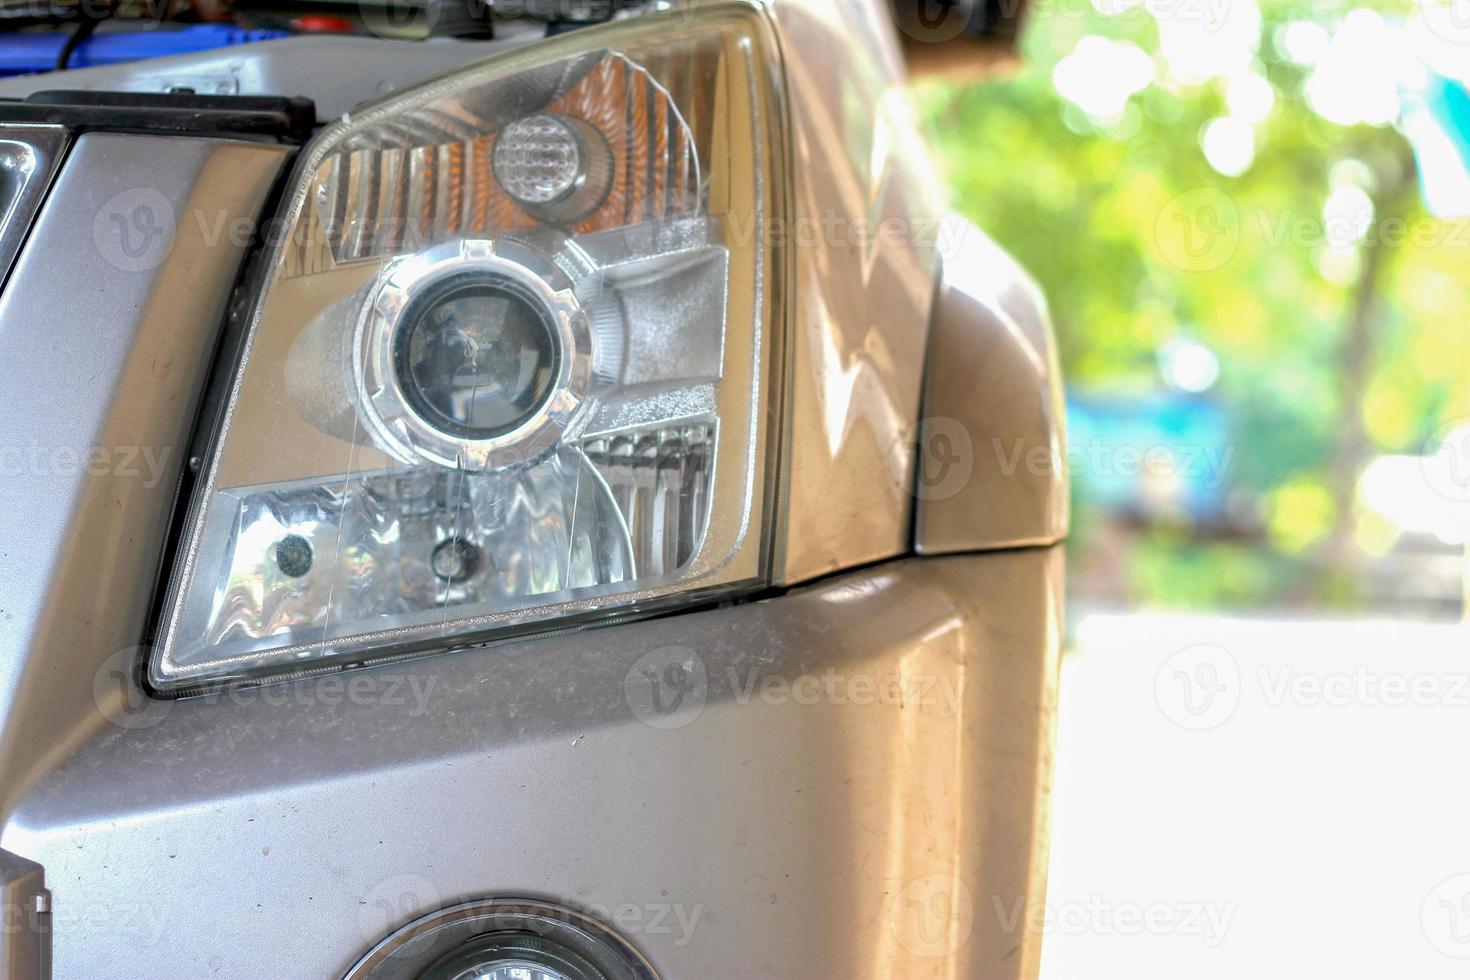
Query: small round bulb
<point>538,159</point>
<point>555,167</point>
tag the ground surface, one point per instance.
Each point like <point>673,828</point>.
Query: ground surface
<point>1261,798</point>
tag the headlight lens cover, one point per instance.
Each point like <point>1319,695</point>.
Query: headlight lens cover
<point>512,362</point>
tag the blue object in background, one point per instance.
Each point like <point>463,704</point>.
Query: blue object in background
<point>27,54</point>
<point>1164,452</point>
<point>1436,119</point>
<point>1449,104</point>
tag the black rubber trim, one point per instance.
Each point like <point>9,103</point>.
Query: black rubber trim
<point>224,360</point>
<point>261,117</point>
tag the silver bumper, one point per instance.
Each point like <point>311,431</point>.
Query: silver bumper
<point>855,787</point>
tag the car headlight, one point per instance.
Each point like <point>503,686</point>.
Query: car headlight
<point>512,361</point>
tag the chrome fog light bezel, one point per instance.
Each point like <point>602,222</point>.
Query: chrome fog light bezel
<point>424,942</point>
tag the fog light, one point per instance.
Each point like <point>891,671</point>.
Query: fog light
<point>512,956</point>
<point>504,939</point>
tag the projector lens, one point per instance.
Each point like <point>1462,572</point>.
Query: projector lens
<point>476,356</point>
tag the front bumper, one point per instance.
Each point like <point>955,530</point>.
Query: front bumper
<point>856,787</point>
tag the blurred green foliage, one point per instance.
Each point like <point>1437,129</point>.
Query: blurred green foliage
<point>1082,204</point>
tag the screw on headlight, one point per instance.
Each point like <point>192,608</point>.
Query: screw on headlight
<point>293,555</point>
<point>455,559</point>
